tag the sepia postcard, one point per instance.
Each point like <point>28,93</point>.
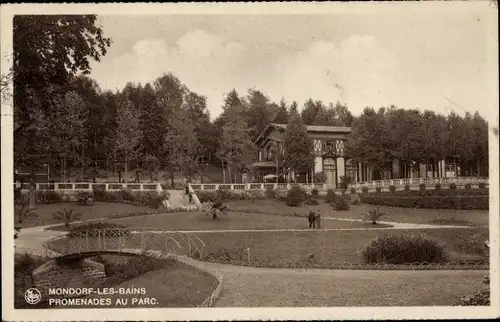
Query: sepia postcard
<point>250,161</point>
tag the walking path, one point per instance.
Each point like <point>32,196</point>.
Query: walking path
<point>243,286</point>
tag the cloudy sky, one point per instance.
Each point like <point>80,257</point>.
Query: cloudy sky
<point>431,59</point>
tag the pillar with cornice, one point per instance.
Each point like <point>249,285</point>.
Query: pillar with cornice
<point>339,151</point>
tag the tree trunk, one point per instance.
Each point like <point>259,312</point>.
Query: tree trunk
<point>172,178</point>
<point>119,176</point>
<point>223,172</point>
<point>126,164</point>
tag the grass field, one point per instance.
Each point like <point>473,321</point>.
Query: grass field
<point>172,284</point>
<point>276,248</point>
<point>344,288</point>
<point>97,210</point>
<point>231,221</point>
<point>474,218</point>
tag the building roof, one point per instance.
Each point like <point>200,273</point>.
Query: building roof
<point>310,129</point>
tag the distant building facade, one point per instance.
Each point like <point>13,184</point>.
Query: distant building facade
<point>330,159</point>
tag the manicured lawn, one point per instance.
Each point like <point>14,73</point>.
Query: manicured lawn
<point>172,283</point>
<point>231,221</point>
<point>293,248</point>
<point>348,288</point>
<point>403,215</point>
<point>97,210</point>
<point>177,285</point>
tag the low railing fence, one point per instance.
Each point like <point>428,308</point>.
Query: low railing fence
<point>371,185</point>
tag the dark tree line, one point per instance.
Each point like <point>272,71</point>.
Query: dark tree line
<point>64,119</point>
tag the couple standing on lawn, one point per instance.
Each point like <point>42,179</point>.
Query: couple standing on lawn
<point>314,219</point>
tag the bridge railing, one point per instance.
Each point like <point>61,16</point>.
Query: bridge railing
<point>122,239</point>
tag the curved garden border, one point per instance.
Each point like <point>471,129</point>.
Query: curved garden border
<point>208,302</point>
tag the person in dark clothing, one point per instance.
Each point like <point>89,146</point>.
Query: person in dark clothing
<point>311,218</point>
<point>188,193</point>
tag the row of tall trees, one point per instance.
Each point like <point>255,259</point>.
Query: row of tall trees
<point>379,137</point>
<point>63,118</point>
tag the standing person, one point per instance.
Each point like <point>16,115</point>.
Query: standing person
<point>311,218</point>
<point>318,219</point>
<point>188,193</point>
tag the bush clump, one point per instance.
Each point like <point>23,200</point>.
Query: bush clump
<point>355,199</point>
<point>437,187</point>
<point>295,196</point>
<point>330,196</point>
<point>392,189</point>
<point>314,192</point>
<point>47,197</point>
<point>353,190</point>
<point>407,188</point>
<point>340,203</point>
<point>374,215</point>
<point>364,190</point>
<point>482,185</point>
<point>468,186</point>
<point>421,188</point>
<point>405,248</point>
<point>85,197</point>
<point>453,186</point>
<point>378,189</point>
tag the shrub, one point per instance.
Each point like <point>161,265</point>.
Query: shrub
<point>24,264</point>
<point>374,215</point>
<point>330,196</point>
<point>437,187</point>
<point>468,186</point>
<point>85,197</point>
<point>311,202</point>
<point>364,190</point>
<point>477,245</point>
<point>340,203</point>
<point>453,186</point>
<point>66,216</point>
<point>296,196</point>
<point>94,229</point>
<point>405,248</point>
<point>128,195</point>
<point>482,298</point>
<point>392,189</point>
<point>47,197</point>
<point>482,185</point>
<point>353,190</point>
<point>378,189</point>
<point>254,195</point>
<point>206,196</point>
<point>355,199</point>
<point>100,194</point>
<point>270,194</point>
<point>320,177</point>
<point>407,188</point>
<point>314,192</point>
<point>281,194</point>
<point>422,188</point>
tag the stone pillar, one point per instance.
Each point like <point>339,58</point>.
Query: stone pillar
<point>340,168</point>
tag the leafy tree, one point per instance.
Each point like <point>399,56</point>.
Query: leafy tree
<point>282,114</point>
<point>342,114</point>
<point>236,146</point>
<point>128,133</point>
<point>310,111</point>
<point>259,113</point>
<point>48,51</point>
<point>25,212</point>
<point>181,145</point>
<point>63,131</point>
<point>151,164</point>
<point>326,116</point>
<point>298,147</point>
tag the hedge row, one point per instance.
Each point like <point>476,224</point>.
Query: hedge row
<point>123,196</point>
<point>430,202</point>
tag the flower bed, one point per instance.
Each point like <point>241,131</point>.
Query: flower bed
<point>431,202</point>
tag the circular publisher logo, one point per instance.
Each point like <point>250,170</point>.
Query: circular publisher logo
<point>32,296</point>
